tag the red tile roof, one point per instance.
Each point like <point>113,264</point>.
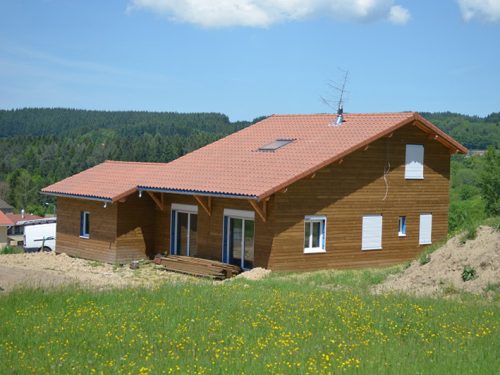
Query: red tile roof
<point>16,218</point>
<point>111,180</point>
<point>233,165</point>
<point>4,220</point>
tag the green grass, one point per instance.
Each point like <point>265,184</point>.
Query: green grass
<point>321,322</point>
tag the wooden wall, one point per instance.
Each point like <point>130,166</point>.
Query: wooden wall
<point>102,242</point>
<point>345,192</point>
<point>135,229</point>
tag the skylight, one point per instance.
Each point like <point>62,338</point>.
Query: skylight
<point>273,146</point>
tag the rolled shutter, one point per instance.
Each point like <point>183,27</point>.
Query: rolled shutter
<point>372,232</point>
<point>425,234</point>
<point>414,166</point>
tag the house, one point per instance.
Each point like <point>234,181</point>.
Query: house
<point>291,192</point>
<point>5,207</point>
<point>15,232</point>
<point>5,223</point>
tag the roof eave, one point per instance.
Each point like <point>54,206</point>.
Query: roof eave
<point>78,196</point>
<point>198,192</point>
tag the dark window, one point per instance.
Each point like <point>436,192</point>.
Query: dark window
<point>273,146</point>
<point>84,224</point>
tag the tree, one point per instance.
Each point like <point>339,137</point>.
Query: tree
<point>490,182</point>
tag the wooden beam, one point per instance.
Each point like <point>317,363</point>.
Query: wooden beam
<point>207,207</point>
<point>156,200</point>
<point>366,147</point>
<point>261,211</point>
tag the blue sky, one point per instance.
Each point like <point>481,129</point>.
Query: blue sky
<point>248,58</point>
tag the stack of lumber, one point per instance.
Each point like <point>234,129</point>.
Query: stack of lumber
<point>198,266</point>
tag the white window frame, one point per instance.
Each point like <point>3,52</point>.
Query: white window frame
<point>363,245</point>
<point>239,214</point>
<point>310,220</point>
<point>420,242</point>
<point>402,233</point>
<point>244,215</point>
<point>409,173</point>
<point>85,217</point>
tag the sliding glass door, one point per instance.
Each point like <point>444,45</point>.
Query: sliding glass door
<point>239,233</point>
<point>184,228</point>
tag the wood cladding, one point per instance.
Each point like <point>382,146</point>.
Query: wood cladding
<point>343,192</point>
<point>347,191</point>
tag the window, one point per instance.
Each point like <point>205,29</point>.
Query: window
<point>314,234</point>
<point>84,224</point>
<point>278,143</point>
<point>371,238</point>
<point>402,226</point>
<point>425,235</point>
<point>414,166</point>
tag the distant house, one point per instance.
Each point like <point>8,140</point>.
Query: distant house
<point>291,192</point>
<point>5,207</point>
<point>5,223</point>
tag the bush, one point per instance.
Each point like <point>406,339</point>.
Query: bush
<point>424,259</point>
<point>12,250</point>
<point>469,234</point>
<point>468,273</point>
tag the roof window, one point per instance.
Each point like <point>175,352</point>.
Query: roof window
<point>278,143</point>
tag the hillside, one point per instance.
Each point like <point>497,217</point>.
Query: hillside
<point>40,146</point>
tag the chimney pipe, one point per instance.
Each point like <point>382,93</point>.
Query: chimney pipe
<point>340,115</point>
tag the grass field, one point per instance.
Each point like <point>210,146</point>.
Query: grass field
<point>323,322</point>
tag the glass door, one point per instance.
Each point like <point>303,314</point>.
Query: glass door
<point>241,242</point>
<point>185,242</point>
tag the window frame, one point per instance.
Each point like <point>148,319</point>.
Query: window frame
<point>310,220</point>
<point>84,222</point>
<point>402,225</point>
<point>407,172</point>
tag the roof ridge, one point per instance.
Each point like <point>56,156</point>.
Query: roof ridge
<point>345,113</point>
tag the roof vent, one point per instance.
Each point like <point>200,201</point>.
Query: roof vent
<point>340,115</point>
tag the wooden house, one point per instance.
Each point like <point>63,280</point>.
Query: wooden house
<point>291,192</point>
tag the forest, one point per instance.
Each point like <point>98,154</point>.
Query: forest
<point>40,146</point>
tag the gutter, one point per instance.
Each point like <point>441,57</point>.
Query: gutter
<point>198,192</point>
<point>87,197</point>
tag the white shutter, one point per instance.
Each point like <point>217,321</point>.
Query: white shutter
<point>414,168</point>
<point>372,232</point>
<point>425,236</point>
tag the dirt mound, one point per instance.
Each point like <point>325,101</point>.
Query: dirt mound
<point>444,271</point>
<point>254,274</point>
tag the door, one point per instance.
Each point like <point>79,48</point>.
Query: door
<point>184,228</point>
<point>241,242</point>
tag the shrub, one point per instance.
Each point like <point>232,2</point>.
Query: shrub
<point>11,250</point>
<point>424,259</point>
<point>468,273</point>
<point>469,234</point>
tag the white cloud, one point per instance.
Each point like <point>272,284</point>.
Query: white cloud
<point>263,13</point>
<point>484,10</point>
<point>399,15</point>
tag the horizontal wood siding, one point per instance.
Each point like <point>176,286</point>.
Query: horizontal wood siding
<point>102,242</point>
<point>135,229</point>
<point>345,192</point>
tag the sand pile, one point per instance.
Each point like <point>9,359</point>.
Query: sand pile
<point>254,274</point>
<point>443,274</point>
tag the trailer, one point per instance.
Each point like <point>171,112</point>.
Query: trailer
<point>40,235</point>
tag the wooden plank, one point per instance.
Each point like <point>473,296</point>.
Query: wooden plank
<point>206,206</point>
<point>156,200</point>
<point>261,211</point>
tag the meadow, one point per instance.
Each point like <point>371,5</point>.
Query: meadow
<point>323,322</point>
